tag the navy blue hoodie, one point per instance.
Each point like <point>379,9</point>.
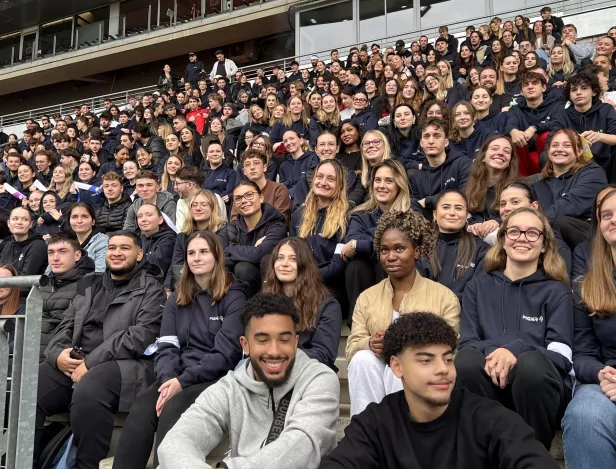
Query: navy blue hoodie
<point>430,181</point>
<point>158,247</point>
<point>601,117</point>
<point>240,243</point>
<point>521,117</point>
<point>580,259</point>
<point>362,227</point>
<point>330,265</point>
<point>356,193</point>
<point>594,345</point>
<point>221,180</point>
<point>366,119</point>
<point>200,342</point>
<point>321,342</point>
<point>533,313</point>
<point>292,170</point>
<point>571,195</point>
<point>471,145</point>
<point>278,130</point>
<point>493,123</point>
<point>447,252</point>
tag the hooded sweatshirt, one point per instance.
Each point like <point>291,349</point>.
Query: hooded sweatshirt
<point>471,145</point>
<point>200,341</point>
<point>493,123</point>
<point>366,119</point>
<point>571,195</point>
<point>362,227</point>
<point>430,181</point>
<point>292,169</point>
<point>532,313</point>
<point>221,180</point>
<point>278,130</point>
<point>243,408</point>
<point>241,242</point>
<point>601,117</point>
<point>164,201</point>
<point>521,117</point>
<point>96,247</point>
<point>158,247</point>
<point>50,224</point>
<point>447,252</point>
<point>29,257</point>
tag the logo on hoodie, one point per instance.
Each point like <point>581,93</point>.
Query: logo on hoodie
<point>450,180</point>
<point>532,318</point>
<point>216,318</point>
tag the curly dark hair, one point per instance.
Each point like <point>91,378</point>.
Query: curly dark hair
<point>415,227</point>
<point>268,303</point>
<point>581,78</point>
<point>417,330</point>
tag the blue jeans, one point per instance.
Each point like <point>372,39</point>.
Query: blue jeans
<point>589,430</point>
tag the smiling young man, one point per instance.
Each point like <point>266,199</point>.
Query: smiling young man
<point>278,408</point>
<point>110,216</point>
<point>148,190</point>
<point>429,424</point>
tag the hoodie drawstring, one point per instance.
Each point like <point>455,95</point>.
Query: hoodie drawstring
<point>271,397</point>
<point>503,307</point>
<point>519,307</point>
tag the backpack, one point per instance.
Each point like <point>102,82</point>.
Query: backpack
<point>60,452</point>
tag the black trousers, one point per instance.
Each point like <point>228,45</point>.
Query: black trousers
<point>91,404</point>
<point>361,273</point>
<point>535,390</point>
<point>573,230</point>
<point>142,424</point>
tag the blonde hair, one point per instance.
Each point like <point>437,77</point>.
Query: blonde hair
<point>365,165</point>
<point>449,78</point>
<point>333,118</point>
<point>66,186</point>
<point>167,130</point>
<point>403,199</point>
<point>441,93</point>
<point>568,66</point>
<point>287,120</point>
<point>335,219</point>
<point>215,223</point>
<point>166,178</point>
<point>550,259</point>
<point>578,148</point>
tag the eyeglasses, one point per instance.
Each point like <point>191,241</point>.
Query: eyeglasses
<point>531,235</point>
<point>359,100</point>
<point>237,199</point>
<point>371,143</point>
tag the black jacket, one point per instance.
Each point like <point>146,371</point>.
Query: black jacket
<point>473,432</point>
<point>158,248</point>
<point>200,342</point>
<point>57,292</point>
<point>317,128</point>
<point>110,217</point>
<point>157,146</point>
<point>29,257</point>
<point>194,71</point>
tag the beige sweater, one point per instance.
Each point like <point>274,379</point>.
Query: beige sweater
<point>374,311</point>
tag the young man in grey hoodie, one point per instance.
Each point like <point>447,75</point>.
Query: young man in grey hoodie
<point>246,404</point>
<point>147,188</point>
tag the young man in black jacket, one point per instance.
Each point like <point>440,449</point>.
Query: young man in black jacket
<point>429,424</point>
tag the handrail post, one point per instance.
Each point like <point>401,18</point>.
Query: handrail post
<point>124,26</point>
<point>158,15</point>
<point>12,55</point>
<point>55,40</point>
<point>150,17</point>
<point>175,12</point>
<point>77,39</point>
<point>100,33</point>
<point>203,8</point>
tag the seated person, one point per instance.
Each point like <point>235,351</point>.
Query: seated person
<point>204,214</point>
<point>95,363</point>
<point>26,176</point>
<point>146,163</point>
<point>388,190</point>
<point>568,186</point>
<point>581,254</point>
<point>481,99</point>
<point>364,115</point>
<point>441,170</point>
<point>403,135</point>
<point>246,404</point>
<point>121,155</point>
<point>24,249</point>
<point>219,177</point>
<point>188,182</point>
<point>589,421</point>
<point>294,119</point>
<point>374,149</point>
<point>495,167</point>
<point>148,191</point>
<point>111,214</point>
<point>458,255</point>
<point>69,264</point>
<point>130,171</point>
<point>526,348</point>
<point>254,166</point>
<point>252,236</point>
<point>326,119</point>
<point>292,272</point>
<point>528,123</point>
<point>589,117</point>
<point>199,343</point>
<point>11,302</point>
<point>51,220</point>
<point>429,423</point>
<point>82,219</point>
<point>87,175</point>
<point>465,137</point>
<point>300,160</point>
<point>400,239</point>
<point>157,239</point>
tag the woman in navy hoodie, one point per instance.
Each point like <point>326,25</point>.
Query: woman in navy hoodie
<point>458,256</point>
<point>219,178</point>
<point>403,134</point>
<point>516,330</point>
<point>157,239</point>
<point>252,236</point>
<point>294,118</point>
<point>568,186</point>
<point>301,160</point>
<point>388,190</point>
<point>199,343</point>
<point>481,99</point>
<point>292,272</point>
<point>588,425</point>
<point>464,136</point>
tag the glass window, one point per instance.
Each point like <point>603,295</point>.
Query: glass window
<point>325,27</point>
<point>371,20</point>
<point>400,18</point>
<point>435,13</point>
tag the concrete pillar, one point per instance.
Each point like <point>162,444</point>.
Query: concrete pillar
<point>114,19</point>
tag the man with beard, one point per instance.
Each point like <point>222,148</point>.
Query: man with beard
<point>95,364</point>
<point>429,423</point>
<point>500,102</point>
<point>279,408</point>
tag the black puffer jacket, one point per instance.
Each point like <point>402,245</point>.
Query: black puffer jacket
<point>110,217</point>
<point>58,291</point>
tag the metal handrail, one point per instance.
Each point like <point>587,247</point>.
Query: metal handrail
<point>457,29</point>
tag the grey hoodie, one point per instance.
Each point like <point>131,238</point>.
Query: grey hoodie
<point>241,407</point>
<point>164,201</point>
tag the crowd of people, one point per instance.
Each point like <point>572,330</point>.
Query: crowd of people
<point>202,247</point>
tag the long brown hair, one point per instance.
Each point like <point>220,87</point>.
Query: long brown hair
<point>466,245</point>
<point>578,149</point>
<point>308,291</point>
<point>598,287</point>
<point>477,188</point>
<point>188,288</point>
<point>550,259</point>
<point>11,305</point>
